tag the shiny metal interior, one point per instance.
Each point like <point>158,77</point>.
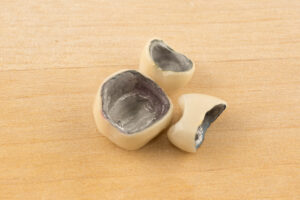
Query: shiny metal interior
<point>132,102</point>
<point>168,59</point>
<point>209,118</point>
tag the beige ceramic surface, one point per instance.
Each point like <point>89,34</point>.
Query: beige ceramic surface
<point>55,54</point>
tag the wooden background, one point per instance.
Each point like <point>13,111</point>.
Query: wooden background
<point>55,53</point>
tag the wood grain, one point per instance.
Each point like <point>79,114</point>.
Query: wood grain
<point>54,54</point>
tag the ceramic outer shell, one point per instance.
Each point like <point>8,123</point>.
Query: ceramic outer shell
<point>170,81</point>
<point>127,141</point>
<point>194,107</point>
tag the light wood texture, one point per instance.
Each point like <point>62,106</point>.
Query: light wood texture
<point>54,54</point>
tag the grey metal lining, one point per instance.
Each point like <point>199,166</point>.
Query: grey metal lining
<point>132,102</point>
<point>168,59</point>
<point>209,118</point>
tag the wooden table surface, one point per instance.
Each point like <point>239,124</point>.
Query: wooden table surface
<point>54,54</point>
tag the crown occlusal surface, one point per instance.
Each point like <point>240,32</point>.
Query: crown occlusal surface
<point>199,111</point>
<point>130,109</point>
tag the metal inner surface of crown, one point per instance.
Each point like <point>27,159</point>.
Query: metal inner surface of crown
<point>209,118</point>
<point>168,59</point>
<point>132,102</point>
